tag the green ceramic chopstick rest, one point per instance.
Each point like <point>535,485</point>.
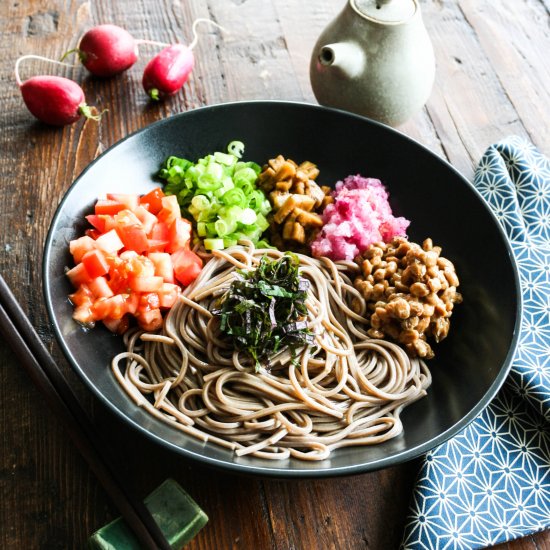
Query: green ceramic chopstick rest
<point>375,59</point>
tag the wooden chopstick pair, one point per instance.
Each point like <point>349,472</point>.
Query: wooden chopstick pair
<point>49,379</point>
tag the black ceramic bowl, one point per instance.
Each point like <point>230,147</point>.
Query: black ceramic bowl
<point>470,365</point>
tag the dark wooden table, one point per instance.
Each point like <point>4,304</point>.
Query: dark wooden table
<point>493,79</point>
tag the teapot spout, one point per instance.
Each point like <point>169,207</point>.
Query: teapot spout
<point>346,57</point>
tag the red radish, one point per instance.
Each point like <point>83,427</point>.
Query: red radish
<point>54,100</point>
<point>107,50</point>
<point>169,70</point>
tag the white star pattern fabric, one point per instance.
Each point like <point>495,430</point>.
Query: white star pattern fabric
<point>491,483</point>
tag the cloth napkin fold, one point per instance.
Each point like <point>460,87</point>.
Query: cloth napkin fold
<point>491,483</point>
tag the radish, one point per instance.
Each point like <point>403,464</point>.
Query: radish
<point>54,100</point>
<point>169,70</point>
<point>107,50</point>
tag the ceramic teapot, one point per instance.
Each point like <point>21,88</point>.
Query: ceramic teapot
<point>375,59</point>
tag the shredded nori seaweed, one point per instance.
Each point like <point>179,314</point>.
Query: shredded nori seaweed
<point>264,309</point>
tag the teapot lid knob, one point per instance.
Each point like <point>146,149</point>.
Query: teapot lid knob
<point>385,11</point>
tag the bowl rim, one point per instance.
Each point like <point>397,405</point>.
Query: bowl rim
<point>271,470</point>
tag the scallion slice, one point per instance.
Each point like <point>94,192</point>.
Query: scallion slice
<point>219,194</point>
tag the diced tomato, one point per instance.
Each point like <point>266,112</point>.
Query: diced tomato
<point>160,232</point>
<point>126,217</point>
<point>100,288</point>
<point>79,247</point>
<point>156,246</point>
<point>148,301</point>
<point>97,221</point>
<point>109,207</point>
<point>128,255</point>
<point>153,200</point>
<point>145,284</point>
<point>130,231</point>
<point>113,307</point>
<point>83,315</point>
<point>141,266</point>
<point>118,326</point>
<point>132,302</point>
<point>130,201</point>
<point>168,295</point>
<point>147,219</point>
<point>163,265</point>
<point>130,261</point>
<point>92,233</point>
<point>150,320</point>
<point>179,235</point>
<point>109,242</point>
<point>133,237</point>
<point>187,266</point>
<point>101,222</point>
<point>170,209</point>
<point>83,296</point>
<point>95,263</point>
<point>78,275</point>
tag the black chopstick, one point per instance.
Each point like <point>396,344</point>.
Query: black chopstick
<point>49,379</point>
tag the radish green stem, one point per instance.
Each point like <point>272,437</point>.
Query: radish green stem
<point>40,58</point>
<point>80,53</point>
<point>87,111</point>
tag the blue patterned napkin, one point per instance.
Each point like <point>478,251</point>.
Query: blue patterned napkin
<point>491,483</point>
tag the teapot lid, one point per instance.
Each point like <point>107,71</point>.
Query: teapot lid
<point>385,11</point>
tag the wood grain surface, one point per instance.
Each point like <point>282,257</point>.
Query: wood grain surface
<point>493,79</point>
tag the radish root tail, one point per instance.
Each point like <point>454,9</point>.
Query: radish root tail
<point>194,29</point>
<point>39,58</point>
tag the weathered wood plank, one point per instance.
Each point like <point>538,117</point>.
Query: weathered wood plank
<point>486,87</point>
<point>469,107</point>
<point>518,51</point>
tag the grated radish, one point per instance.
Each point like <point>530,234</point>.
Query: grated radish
<point>359,216</point>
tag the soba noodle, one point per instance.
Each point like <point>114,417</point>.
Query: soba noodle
<point>345,390</point>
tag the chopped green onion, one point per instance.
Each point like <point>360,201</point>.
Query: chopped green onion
<point>224,227</point>
<point>261,222</point>
<point>263,244</point>
<point>248,217</point>
<point>201,229</point>
<point>207,182</point>
<point>200,202</point>
<point>236,148</point>
<point>211,229</point>
<point>193,172</point>
<point>235,197</point>
<point>248,188</point>
<point>214,244</point>
<point>229,241</point>
<point>243,176</point>
<point>219,195</point>
<point>223,158</point>
<point>215,170</point>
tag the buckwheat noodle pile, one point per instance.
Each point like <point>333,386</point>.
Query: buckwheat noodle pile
<point>347,389</point>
